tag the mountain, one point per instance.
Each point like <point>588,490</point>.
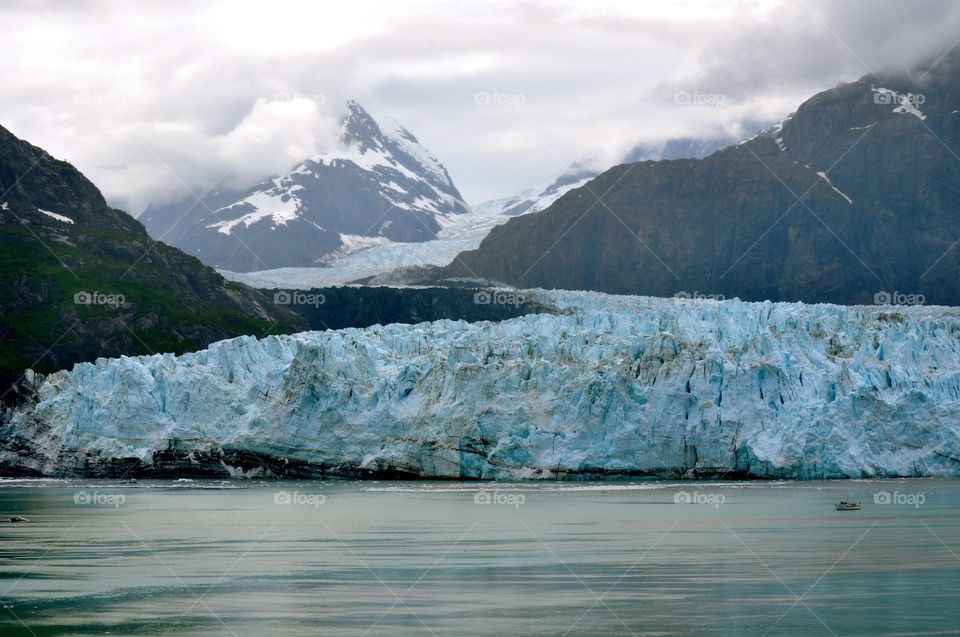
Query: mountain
<point>402,263</point>
<point>378,186</point>
<point>604,386</point>
<point>540,197</point>
<point>80,280</point>
<point>854,198</point>
<point>682,148</point>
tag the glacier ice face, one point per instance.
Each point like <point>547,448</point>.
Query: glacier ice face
<point>607,385</point>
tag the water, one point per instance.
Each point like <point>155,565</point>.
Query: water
<point>363,558</point>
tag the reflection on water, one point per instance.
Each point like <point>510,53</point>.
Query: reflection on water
<point>365,558</point>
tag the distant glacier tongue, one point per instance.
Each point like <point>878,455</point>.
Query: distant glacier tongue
<point>606,386</point>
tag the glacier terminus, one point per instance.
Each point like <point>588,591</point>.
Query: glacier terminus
<point>602,386</point>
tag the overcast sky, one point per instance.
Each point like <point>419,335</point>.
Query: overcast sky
<point>154,99</point>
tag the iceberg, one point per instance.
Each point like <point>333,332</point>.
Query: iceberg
<point>603,386</point>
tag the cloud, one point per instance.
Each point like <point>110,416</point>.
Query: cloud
<point>157,100</point>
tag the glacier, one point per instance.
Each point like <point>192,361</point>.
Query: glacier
<point>458,233</point>
<point>602,386</point>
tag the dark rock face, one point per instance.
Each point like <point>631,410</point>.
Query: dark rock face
<point>757,220</point>
<point>379,185</point>
<point>88,282</point>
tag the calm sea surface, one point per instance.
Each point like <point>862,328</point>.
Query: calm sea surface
<point>449,558</point>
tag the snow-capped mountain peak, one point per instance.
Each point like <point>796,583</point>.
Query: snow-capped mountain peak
<point>539,197</point>
<point>370,145</point>
<point>397,159</point>
<point>376,185</point>
<point>358,127</point>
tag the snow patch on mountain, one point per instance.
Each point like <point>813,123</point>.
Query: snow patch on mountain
<point>774,132</point>
<point>52,215</point>
<point>824,177</point>
<point>279,204</point>
<point>409,144</point>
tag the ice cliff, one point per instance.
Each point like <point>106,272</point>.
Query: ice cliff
<point>605,386</point>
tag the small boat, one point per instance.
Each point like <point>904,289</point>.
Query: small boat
<point>845,505</point>
<point>18,518</point>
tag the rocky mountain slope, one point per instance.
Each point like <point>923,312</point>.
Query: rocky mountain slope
<point>607,386</point>
<point>854,197</point>
<point>378,186</point>
<point>80,280</point>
